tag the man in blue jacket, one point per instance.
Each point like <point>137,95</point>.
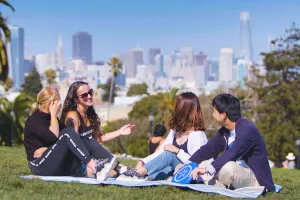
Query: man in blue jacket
<point>244,161</point>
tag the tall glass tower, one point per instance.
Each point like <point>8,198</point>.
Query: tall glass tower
<point>246,49</point>
<point>15,53</point>
<point>82,47</point>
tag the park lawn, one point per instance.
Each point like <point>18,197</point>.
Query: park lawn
<point>13,164</point>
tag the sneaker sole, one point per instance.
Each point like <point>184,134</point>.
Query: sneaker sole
<point>104,173</point>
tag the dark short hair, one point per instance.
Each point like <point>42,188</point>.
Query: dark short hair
<point>159,130</point>
<point>227,103</point>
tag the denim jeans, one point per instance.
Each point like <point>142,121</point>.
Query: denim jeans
<point>162,166</point>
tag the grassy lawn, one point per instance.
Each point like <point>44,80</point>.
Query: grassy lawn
<point>13,163</point>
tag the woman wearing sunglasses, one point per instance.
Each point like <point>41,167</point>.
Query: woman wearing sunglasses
<point>50,152</point>
<point>78,107</point>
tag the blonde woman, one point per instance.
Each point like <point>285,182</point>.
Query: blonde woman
<point>50,153</point>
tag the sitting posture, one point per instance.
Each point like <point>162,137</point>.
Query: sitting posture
<point>157,139</point>
<point>78,107</point>
<point>186,136</point>
<point>50,152</point>
<point>243,161</point>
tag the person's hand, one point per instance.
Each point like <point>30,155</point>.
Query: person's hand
<point>39,152</point>
<point>139,164</point>
<point>171,148</point>
<point>54,108</point>
<point>197,172</point>
<point>126,130</point>
<point>178,167</point>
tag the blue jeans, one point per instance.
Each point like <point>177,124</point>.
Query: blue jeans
<point>162,166</point>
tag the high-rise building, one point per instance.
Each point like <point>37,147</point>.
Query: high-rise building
<point>187,55</point>
<point>82,47</point>
<point>246,49</point>
<point>225,65</point>
<point>45,61</point>
<point>134,58</point>
<point>60,53</point>
<point>213,70</point>
<point>152,52</point>
<point>159,66</point>
<point>15,53</point>
<point>200,61</point>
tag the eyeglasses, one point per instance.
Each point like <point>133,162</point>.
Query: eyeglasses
<point>85,95</point>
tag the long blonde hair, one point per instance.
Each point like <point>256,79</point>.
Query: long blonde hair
<point>46,95</point>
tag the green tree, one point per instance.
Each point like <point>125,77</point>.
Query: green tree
<point>3,55</point>
<point>50,76</point>
<point>14,113</point>
<point>278,95</point>
<point>147,105</point>
<point>32,84</point>
<point>137,89</point>
<point>116,67</point>
<point>8,84</point>
<point>167,105</point>
<point>129,144</point>
<point>106,88</point>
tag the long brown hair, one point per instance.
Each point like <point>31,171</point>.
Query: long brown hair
<point>70,104</point>
<point>187,114</point>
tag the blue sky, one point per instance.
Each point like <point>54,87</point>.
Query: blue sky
<point>118,25</point>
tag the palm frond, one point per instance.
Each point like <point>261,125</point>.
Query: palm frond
<point>7,4</point>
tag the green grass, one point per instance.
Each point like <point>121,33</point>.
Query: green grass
<point>13,163</point>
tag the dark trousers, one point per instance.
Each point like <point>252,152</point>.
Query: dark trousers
<point>63,158</point>
<point>96,149</point>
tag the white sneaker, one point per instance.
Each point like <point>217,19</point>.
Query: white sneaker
<point>103,174</point>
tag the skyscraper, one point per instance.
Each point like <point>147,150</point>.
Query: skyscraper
<point>152,52</point>
<point>134,58</point>
<point>200,61</point>
<point>82,47</point>
<point>246,49</point>
<point>15,53</point>
<point>60,53</point>
<point>225,64</point>
<point>159,66</point>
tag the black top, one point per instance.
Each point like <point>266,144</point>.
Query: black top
<point>182,146</point>
<point>37,133</point>
<point>85,131</point>
<point>153,146</point>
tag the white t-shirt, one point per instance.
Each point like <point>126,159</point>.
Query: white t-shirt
<point>231,139</point>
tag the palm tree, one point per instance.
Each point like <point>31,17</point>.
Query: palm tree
<point>116,67</point>
<point>15,113</point>
<point>167,105</point>
<point>3,55</point>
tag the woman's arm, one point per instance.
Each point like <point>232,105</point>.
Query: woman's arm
<point>72,115</point>
<point>124,130</point>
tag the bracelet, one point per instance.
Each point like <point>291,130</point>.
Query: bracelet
<point>54,121</point>
<point>119,132</point>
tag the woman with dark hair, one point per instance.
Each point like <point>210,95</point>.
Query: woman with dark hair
<point>157,139</point>
<point>48,150</point>
<point>78,107</point>
<point>186,137</point>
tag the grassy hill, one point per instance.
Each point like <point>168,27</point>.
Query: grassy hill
<point>13,163</point>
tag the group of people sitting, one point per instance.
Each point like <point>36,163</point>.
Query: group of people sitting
<point>235,157</point>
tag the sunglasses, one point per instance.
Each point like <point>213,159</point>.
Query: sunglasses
<point>85,95</point>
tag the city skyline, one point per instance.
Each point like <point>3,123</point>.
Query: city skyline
<point>147,24</point>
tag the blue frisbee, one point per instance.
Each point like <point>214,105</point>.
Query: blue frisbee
<point>183,175</point>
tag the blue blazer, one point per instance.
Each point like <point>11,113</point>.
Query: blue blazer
<point>249,144</point>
